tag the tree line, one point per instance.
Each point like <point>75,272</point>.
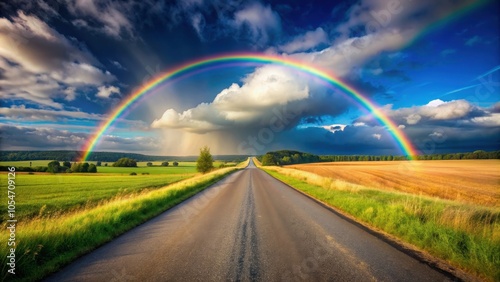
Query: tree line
<point>100,156</point>
<point>286,157</point>
<point>57,167</point>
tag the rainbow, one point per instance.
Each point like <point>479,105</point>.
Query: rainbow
<point>399,136</point>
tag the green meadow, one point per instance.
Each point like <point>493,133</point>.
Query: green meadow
<point>49,195</point>
<point>142,168</point>
<point>50,242</point>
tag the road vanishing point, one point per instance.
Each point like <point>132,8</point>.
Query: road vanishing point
<point>248,227</point>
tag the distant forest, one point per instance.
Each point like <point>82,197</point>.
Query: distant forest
<point>100,156</point>
<point>282,157</point>
<point>286,157</point>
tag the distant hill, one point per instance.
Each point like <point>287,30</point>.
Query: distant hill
<point>100,156</point>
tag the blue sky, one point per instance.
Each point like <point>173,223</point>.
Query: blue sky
<point>64,65</point>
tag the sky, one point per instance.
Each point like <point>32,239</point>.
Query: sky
<point>432,67</point>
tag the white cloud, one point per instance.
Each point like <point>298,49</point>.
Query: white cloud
<point>111,17</point>
<point>107,91</point>
<point>261,21</point>
<point>306,41</point>
<point>435,103</point>
<point>39,64</point>
<point>488,121</point>
<point>413,119</point>
<point>377,136</point>
<point>438,112</point>
<point>268,87</point>
<point>334,127</point>
<point>386,27</point>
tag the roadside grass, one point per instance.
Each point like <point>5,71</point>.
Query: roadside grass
<point>466,235</point>
<point>50,195</point>
<point>44,245</point>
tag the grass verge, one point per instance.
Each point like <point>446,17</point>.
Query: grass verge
<point>467,236</point>
<point>45,245</point>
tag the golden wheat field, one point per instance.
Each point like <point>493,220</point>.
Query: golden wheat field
<point>472,181</point>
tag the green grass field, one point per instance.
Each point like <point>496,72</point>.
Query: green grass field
<point>182,168</point>
<point>50,243</point>
<point>52,194</point>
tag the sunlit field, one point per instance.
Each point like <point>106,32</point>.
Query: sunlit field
<point>450,209</point>
<point>470,181</point>
<point>52,240</point>
<point>142,167</point>
<point>44,194</point>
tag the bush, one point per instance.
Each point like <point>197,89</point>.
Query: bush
<point>92,168</point>
<point>85,167</point>
<point>149,164</point>
<point>164,164</point>
<point>53,167</point>
<point>67,164</point>
<point>175,163</point>
<point>125,162</point>
<point>98,163</point>
<point>133,173</point>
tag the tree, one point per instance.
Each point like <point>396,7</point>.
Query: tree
<point>53,167</point>
<point>149,164</point>
<point>98,163</point>
<point>268,159</point>
<point>76,167</point>
<point>164,164</point>
<point>85,167</point>
<point>92,168</point>
<point>286,160</point>
<point>67,164</point>
<point>125,162</point>
<point>205,161</point>
<point>175,163</point>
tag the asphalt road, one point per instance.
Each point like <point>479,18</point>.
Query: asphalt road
<point>248,226</point>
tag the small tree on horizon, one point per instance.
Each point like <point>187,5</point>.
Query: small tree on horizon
<point>53,167</point>
<point>175,163</point>
<point>205,162</point>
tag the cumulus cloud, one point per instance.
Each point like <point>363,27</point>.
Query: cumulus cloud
<point>39,64</point>
<point>253,103</point>
<point>446,125</point>
<point>436,112</point>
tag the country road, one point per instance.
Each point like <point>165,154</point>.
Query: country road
<point>248,227</point>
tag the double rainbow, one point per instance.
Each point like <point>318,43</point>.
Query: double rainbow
<point>399,136</point>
